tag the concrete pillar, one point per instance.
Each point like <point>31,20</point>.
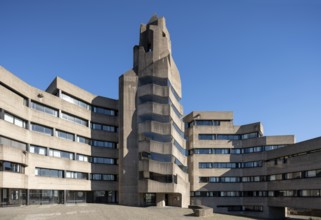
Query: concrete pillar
<point>59,113</point>
<point>59,93</point>
<point>27,197</point>
<point>65,197</point>
<point>1,114</point>
<point>160,199</point>
<point>29,103</point>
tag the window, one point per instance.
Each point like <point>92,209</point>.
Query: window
<point>207,123</point>
<point>203,151</point>
<point>76,175</point>
<point>13,143</point>
<point>43,108</point>
<point>107,144</point>
<point>153,98</point>
<point>310,193</point>
<point>227,165</point>
<point>83,140</point>
<point>206,137</point>
<point>310,173</point>
<point>65,135</point>
<point>74,119</point>
<point>180,148</point>
<point>75,101</point>
<point>220,151</point>
<point>15,120</point>
<point>177,112</point>
<point>249,136</point>
<point>103,160</point>
<point>214,179</point>
<point>48,172</point>
<point>104,111</point>
<point>295,175</point>
<point>37,150</point>
<point>230,194</point>
<point>228,137</point>
<point>103,177</point>
<point>61,154</point>
<point>41,129</point>
<point>275,177</point>
<point>272,147</point>
<point>235,151</point>
<point>103,127</point>
<point>11,167</point>
<point>205,165</point>
<point>179,131</point>
<point>165,158</point>
<point>230,179</point>
<point>81,157</point>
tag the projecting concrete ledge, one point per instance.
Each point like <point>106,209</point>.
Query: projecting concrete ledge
<point>201,210</point>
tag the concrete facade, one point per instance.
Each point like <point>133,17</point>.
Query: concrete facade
<point>66,145</point>
<point>154,165</point>
<point>238,170</point>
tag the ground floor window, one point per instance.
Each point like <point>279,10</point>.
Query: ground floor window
<point>150,199</point>
<point>102,197</point>
<point>46,197</point>
<point>13,197</point>
<point>75,196</point>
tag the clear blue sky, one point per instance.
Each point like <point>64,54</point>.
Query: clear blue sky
<point>260,59</point>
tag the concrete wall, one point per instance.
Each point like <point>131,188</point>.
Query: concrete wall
<point>15,98</point>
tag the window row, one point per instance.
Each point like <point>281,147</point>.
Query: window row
<point>96,143</point>
<point>178,113</point>
<point>228,136</point>
<point>165,138</point>
<point>13,143</point>
<point>71,137</point>
<point>74,119</point>
<point>273,177</point>
<point>154,117</point>
<point>74,175</point>
<point>204,123</point>
<point>234,150</point>
<point>158,81</point>
<point>103,127</point>
<point>83,104</point>
<point>179,131</point>
<point>54,153</point>
<point>244,208</point>
<point>44,108</point>
<point>165,158</point>
<point>277,193</point>
<point>69,155</point>
<point>66,116</point>
<point>284,159</point>
<point>229,165</point>
<point>158,177</point>
<point>15,120</point>
<point>11,167</point>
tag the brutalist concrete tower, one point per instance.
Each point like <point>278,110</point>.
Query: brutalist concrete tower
<point>152,152</point>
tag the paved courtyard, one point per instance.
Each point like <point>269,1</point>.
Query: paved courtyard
<point>100,211</point>
<point>104,212</point>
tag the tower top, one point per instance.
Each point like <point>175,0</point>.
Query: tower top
<point>153,18</point>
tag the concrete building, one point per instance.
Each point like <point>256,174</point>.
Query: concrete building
<point>66,145</point>
<point>235,169</point>
<point>153,164</point>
